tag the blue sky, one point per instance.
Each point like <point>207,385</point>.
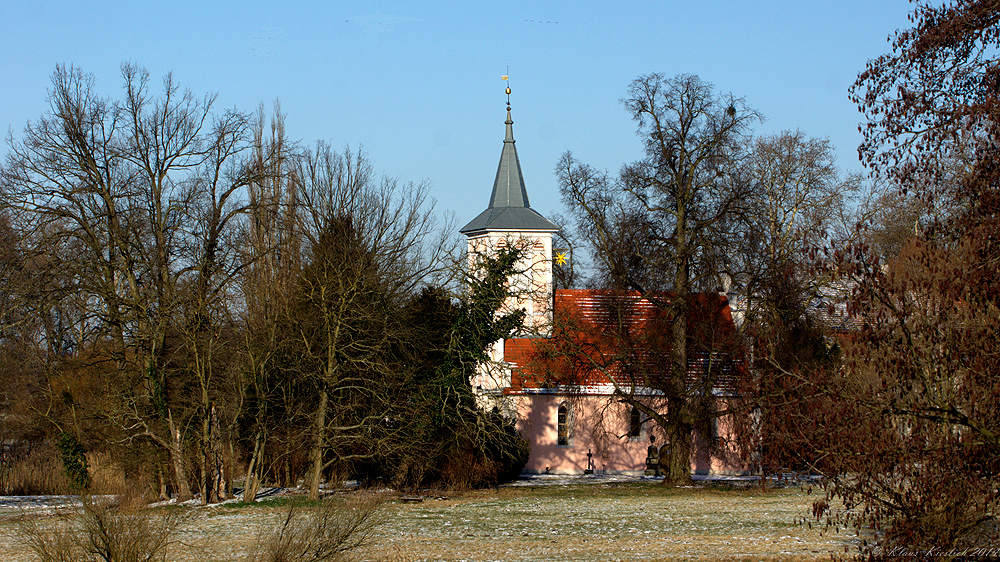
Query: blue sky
<point>418,84</point>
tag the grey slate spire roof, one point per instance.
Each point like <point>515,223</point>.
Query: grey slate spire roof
<point>509,209</point>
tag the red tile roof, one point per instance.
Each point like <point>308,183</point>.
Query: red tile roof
<point>605,337</point>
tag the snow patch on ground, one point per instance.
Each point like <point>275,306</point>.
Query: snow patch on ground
<point>699,479</point>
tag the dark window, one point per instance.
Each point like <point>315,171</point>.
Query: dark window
<point>634,423</point>
<point>563,425</point>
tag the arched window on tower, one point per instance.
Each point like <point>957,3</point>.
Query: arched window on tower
<point>563,424</point>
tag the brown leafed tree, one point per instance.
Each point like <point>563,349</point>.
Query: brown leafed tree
<point>918,381</point>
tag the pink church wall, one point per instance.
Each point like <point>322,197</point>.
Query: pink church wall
<point>600,425</point>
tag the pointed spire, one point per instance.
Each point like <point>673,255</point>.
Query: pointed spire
<point>508,187</point>
<point>508,208</point>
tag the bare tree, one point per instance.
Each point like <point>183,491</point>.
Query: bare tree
<point>240,161</point>
<point>271,249</point>
<point>794,209</point>
<point>366,243</point>
<point>660,227</point>
<point>143,191</point>
<point>795,204</point>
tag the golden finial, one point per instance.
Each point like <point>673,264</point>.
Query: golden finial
<point>506,77</point>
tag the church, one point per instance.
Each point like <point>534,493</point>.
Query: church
<point>576,424</point>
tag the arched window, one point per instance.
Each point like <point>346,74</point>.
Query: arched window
<point>563,425</point>
<point>634,423</point>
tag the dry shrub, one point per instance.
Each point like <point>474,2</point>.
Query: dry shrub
<point>54,541</point>
<point>465,470</point>
<point>498,460</point>
<point>32,471</point>
<point>126,534</point>
<point>100,530</point>
<point>328,530</point>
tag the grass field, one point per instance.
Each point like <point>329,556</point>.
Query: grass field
<point>590,522</point>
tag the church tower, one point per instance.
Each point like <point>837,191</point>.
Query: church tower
<point>509,219</point>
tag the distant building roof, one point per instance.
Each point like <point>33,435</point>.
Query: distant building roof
<point>830,308</point>
<point>508,208</point>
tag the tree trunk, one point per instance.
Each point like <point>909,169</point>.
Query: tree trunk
<point>219,458</point>
<point>177,458</point>
<point>319,440</point>
<point>207,473</point>
<point>287,483</point>
<point>162,481</point>
<point>253,480</point>
<point>677,469</point>
<point>213,477</point>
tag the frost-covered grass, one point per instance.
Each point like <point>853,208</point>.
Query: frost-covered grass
<point>600,523</point>
<point>571,522</point>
